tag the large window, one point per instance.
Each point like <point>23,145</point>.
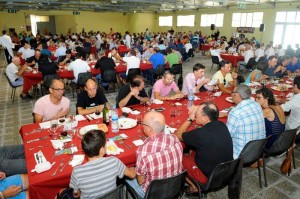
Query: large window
<point>165,21</point>
<point>247,19</point>
<point>287,28</point>
<point>186,20</point>
<point>207,20</point>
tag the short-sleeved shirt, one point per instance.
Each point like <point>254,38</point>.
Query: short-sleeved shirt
<point>218,76</point>
<point>11,70</point>
<point>157,59</point>
<point>293,105</point>
<point>78,66</point>
<point>270,71</point>
<point>190,83</point>
<point>163,89</point>
<point>133,100</point>
<point>84,101</point>
<point>47,109</point>
<point>105,63</point>
<point>172,58</point>
<point>132,62</point>
<point>212,143</point>
<point>96,178</point>
<point>159,157</point>
<point>293,68</point>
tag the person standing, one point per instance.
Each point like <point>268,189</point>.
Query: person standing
<point>7,44</point>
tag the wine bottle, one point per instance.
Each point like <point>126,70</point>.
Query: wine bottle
<point>105,114</point>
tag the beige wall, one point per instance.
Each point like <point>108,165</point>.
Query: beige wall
<point>139,22</point>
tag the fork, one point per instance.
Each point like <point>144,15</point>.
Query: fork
<point>60,165</point>
<point>66,165</point>
<point>123,143</point>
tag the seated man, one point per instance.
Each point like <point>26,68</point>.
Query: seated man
<point>78,66</point>
<point>65,60</point>
<point>196,80</point>
<point>133,93</point>
<point>159,157</point>
<point>272,61</point>
<point>91,99</point>
<point>226,80</point>
<point>12,160</point>
<point>172,58</point>
<point>132,63</point>
<point>293,66</point>
<point>163,87</point>
<point>98,176</point>
<point>245,121</point>
<point>33,60</point>
<point>156,59</point>
<point>14,187</point>
<point>212,143</point>
<point>52,106</point>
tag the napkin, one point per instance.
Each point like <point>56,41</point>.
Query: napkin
<point>34,72</point>
<point>217,94</point>
<point>178,104</point>
<point>157,101</point>
<point>94,116</point>
<point>112,148</point>
<point>119,137</point>
<point>169,130</point>
<point>45,125</point>
<point>138,142</point>
<point>79,118</point>
<point>59,144</point>
<point>76,160</point>
<point>135,112</point>
<point>196,98</point>
<point>41,163</point>
<point>128,110</point>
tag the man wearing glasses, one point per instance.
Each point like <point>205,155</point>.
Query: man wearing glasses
<point>226,79</point>
<point>52,106</point>
<point>163,88</point>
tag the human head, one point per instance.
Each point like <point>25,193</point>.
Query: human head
<point>272,61</point>
<point>92,142</point>
<point>43,58</point>
<point>16,60</point>
<point>295,60</point>
<point>225,66</point>
<point>296,87</point>
<point>206,112</point>
<point>3,32</point>
<point>151,49</point>
<point>198,70</point>
<point>240,93</point>
<point>262,66</point>
<point>168,78</point>
<point>132,53</point>
<point>137,82</point>
<point>113,51</point>
<point>57,89</point>
<point>265,97</point>
<point>285,60</point>
<point>91,87</point>
<point>153,123</point>
<point>37,53</point>
<point>101,54</point>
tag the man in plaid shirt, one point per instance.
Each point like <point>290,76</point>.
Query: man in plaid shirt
<point>159,157</point>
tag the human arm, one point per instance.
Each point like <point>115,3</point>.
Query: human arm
<point>60,113</point>
<point>21,70</point>
<point>186,124</point>
<point>130,172</point>
<point>86,111</point>
<point>12,191</point>
<point>233,83</point>
<point>205,81</point>
<point>2,175</point>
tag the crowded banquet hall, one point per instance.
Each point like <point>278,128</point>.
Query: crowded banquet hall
<point>106,99</point>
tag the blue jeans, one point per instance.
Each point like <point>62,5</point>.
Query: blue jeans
<point>19,82</point>
<point>99,80</point>
<point>137,188</point>
<point>12,160</point>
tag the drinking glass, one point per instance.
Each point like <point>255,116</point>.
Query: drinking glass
<point>149,102</point>
<point>172,114</point>
<point>178,113</point>
<point>53,128</point>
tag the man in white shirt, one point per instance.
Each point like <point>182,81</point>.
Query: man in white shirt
<point>27,52</point>
<point>7,44</point>
<point>280,52</point>
<point>269,51</point>
<point>78,66</point>
<point>61,51</point>
<point>128,39</point>
<point>132,62</point>
<point>216,51</point>
<point>259,52</point>
<point>247,55</point>
<point>293,120</point>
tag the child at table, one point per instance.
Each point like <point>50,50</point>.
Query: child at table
<point>98,176</point>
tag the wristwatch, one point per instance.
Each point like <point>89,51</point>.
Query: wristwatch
<point>189,119</point>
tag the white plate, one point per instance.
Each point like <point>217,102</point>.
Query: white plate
<point>127,123</point>
<point>275,88</point>
<point>229,99</point>
<point>87,128</point>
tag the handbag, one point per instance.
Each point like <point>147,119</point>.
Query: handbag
<point>286,165</point>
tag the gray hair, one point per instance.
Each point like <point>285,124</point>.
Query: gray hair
<point>244,91</point>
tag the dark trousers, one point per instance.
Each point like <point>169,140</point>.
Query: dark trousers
<point>7,56</point>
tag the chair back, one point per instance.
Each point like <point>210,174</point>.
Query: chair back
<point>176,69</point>
<point>160,69</point>
<point>166,188</point>
<point>251,63</point>
<point>282,143</point>
<point>109,76</point>
<point>215,59</point>
<point>9,81</point>
<point>132,72</point>
<point>252,151</point>
<point>83,77</point>
<point>48,79</point>
<point>263,58</point>
<point>115,194</point>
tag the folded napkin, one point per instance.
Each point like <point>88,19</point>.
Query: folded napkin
<point>41,163</point>
<point>59,144</point>
<point>112,148</point>
<point>135,112</point>
<point>178,104</point>
<point>45,125</point>
<point>79,118</point>
<point>138,142</point>
<point>196,98</point>
<point>169,130</point>
<point>157,101</point>
<point>128,110</point>
<point>217,94</point>
<point>76,160</point>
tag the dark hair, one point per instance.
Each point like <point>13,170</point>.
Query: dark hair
<point>198,66</point>
<point>68,51</point>
<point>297,81</point>
<point>267,94</point>
<point>285,57</point>
<point>92,142</point>
<point>43,59</point>
<point>114,48</point>
<point>223,63</point>
<point>271,57</point>
<point>136,81</point>
<point>3,32</point>
<point>132,52</point>
<point>210,110</point>
<point>262,66</point>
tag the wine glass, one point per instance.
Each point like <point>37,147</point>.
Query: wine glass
<point>178,113</point>
<point>172,114</point>
<point>53,128</point>
<point>149,103</point>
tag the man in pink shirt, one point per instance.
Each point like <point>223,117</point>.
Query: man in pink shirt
<point>52,106</point>
<point>163,87</point>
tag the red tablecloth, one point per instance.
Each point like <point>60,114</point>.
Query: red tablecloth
<point>206,47</point>
<point>232,58</point>
<point>44,185</point>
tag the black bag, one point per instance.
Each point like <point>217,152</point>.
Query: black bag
<point>66,194</point>
<point>180,81</point>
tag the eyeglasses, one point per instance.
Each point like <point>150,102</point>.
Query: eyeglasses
<point>169,80</point>
<point>58,89</point>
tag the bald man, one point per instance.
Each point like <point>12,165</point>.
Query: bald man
<point>91,99</point>
<point>159,157</point>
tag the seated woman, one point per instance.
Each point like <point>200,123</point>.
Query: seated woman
<point>14,187</point>
<point>114,54</point>
<point>257,74</point>
<point>273,114</point>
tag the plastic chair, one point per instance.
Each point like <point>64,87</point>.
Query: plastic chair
<point>47,82</point>
<point>252,152</point>
<point>225,174</point>
<point>132,72</point>
<point>13,91</point>
<point>163,188</point>
<point>176,69</point>
<point>82,78</point>
<point>109,76</point>
<point>214,60</point>
<point>115,194</point>
<point>283,142</point>
<point>251,63</point>
<point>159,71</point>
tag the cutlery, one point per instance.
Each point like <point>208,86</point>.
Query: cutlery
<point>34,131</point>
<point>88,119</point>
<point>37,158</point>
<point>60,165</point>
<point>66,165</point>
<point>123,143</point>
<point>37,147</point>
<point>37,139</point>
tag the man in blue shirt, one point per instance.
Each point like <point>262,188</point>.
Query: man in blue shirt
<point>294,65</point>
<point>156,59</point>
<point>272,61</point>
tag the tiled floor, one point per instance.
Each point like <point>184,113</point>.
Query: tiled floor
<point>13,115</point>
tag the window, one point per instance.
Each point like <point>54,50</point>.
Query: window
<point>247,19</point>
<point>287,26</point>
<point>208,19</point>
<point>165,21</point>
<point>186,20</point>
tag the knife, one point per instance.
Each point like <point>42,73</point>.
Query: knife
<point>34,140</point>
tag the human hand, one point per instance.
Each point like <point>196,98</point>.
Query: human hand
<point>99,108</point>
<point>206,80</point>
<point>234,75</point>
<point>12,191</point>
<point>2,175</point>
<point>135,92</point>
<point>223,114</point>
<point>192,112</point>
<point>61,113</point>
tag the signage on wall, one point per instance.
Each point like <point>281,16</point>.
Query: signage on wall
<point>76,13</point>
<point>245,29</point>
<point>12,11</point>
<point>242,5</point>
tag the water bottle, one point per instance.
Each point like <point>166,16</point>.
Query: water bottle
<point>114,120</point>
<point>190,99</point>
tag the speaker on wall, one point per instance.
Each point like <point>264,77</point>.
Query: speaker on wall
<point>212,27</point>
<point>262,28</point>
